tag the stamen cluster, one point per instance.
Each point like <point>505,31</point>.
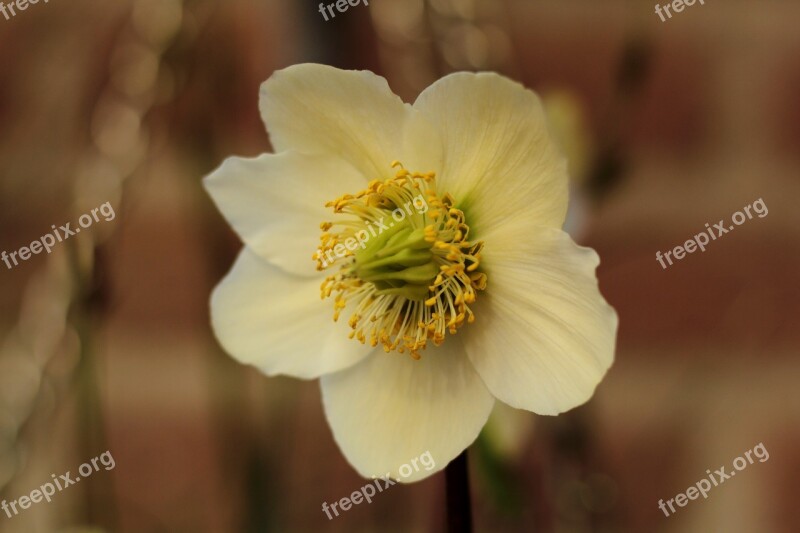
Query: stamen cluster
<point>411,277</point>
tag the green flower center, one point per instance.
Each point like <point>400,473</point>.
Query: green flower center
<point>404,263</point>
<point>398,261</point>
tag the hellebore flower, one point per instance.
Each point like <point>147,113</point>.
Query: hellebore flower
<point>412,257</point>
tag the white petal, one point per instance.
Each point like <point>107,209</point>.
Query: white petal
<point>499,159</point>
<point>423,150</point>
<point>278,323</point>
<point>352,114</point>
<point>389,410</point>
<point>544,336</point>
<point>276,203</point>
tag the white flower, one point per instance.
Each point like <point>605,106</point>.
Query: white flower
<point>477,295</point>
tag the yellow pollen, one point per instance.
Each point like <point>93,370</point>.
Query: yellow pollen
<point>401,262</point>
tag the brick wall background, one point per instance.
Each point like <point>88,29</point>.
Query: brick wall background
<point>106,344</point>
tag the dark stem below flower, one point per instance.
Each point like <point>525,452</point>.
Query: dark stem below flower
<point>459,507</point>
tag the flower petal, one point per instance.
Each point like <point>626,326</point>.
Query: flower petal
<point>389,409</point>
<point>276,202</point>
<point>499,159</point>
<point>543,336</point>
<point>352,114</point>
<point>277,322</point>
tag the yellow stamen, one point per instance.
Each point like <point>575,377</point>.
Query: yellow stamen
<point>409,281</point>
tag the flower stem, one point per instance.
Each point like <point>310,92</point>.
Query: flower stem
<point>459,508</point>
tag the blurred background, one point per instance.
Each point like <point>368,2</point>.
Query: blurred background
<point>105,343</point>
